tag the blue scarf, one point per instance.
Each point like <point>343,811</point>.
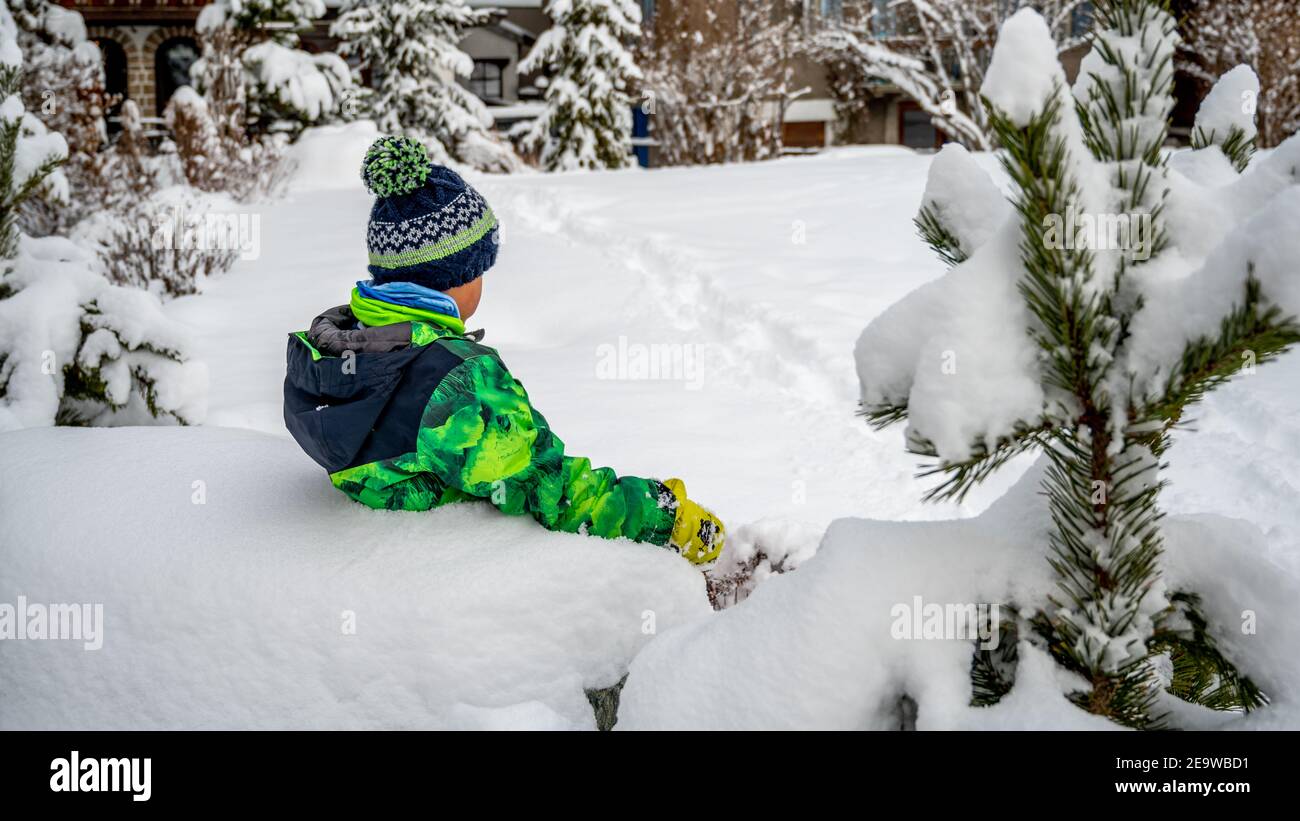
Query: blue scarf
<point>410,295</point>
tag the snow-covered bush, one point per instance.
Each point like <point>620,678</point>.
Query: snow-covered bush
<point>291,89</point>
<point>412,50</point>
<point>717,82</point>
<point>81,351</point>
<point>215,157</point>
<point>283,89</point>
<point>588,118</point>
<point>74,349</point>
<point>170,243</point>
<point>1082,322</point>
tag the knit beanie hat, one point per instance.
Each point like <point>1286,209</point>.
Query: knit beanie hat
<point>427,226</point>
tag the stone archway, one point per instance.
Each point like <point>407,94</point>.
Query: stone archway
<point>110,38</point>
<point>152,53</point>
<point>116,61</point>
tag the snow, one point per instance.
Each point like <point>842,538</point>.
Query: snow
<point>818,649</point>
<point>516,111</point>
<point>11,56</point>
<point>1230,104</point>
<point>64,25</point>
<point>1234,225</point>
<point>955,177</point>
<point>1181,310</point>
<point>1024,72</point>
<point>41,327</point>
<point>228,613</point>
<point>234,613</point>
<point>311,84</point>
<point>330,156</point>
<point>187,97</point>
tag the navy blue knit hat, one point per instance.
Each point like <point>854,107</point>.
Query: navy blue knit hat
<point>427,226</point>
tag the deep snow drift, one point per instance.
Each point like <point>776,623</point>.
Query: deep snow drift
<point>236,612</point>
<point>818,648</point>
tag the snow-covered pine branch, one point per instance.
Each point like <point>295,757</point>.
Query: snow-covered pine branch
<point>1263,34</point>
<point>1226,118</point>
<point>588,119</point>
<point>30,154</point>
<point>412,50</point>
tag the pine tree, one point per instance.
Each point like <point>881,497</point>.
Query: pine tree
<point>588,117</point>
<point>1112,381</point>
<point>411,49</point>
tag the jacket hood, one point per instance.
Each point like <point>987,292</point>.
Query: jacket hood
<point>336,331</point>
<point>339,381</point>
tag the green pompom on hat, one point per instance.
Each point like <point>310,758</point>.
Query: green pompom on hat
<point>395,165</point>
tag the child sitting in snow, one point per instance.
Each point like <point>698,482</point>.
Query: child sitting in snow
<point>407,411</point>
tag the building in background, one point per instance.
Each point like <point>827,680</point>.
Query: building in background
<point>149,47</point>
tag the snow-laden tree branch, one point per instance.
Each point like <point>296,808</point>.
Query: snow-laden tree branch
<point>1263,34</point>
<point>934,51</point>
